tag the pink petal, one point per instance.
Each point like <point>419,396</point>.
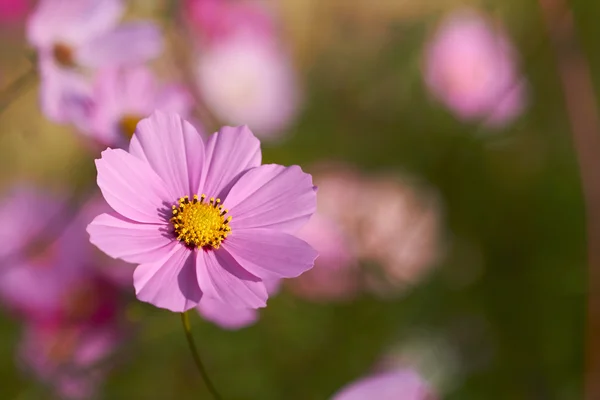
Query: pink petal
<point>170,282</point>
<point>65,96</point>
<point>175,99</point>
<point>222,278</point>
<point>173,148</point>
<point>226,316</point>
<point>127,44</point>
<point>270,254</point>
<point>72,21</point>
<point>392,385</point>
<point>272,196</point>
<point>119,92</point>
<point>229,153</point>
<point>131,188</point>
<point>128,240</point>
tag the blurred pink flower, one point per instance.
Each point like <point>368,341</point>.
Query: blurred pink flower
<point>379,246</point>
<point>25,214</point>
<point>52,259</point>
<point>70,357</point>
<point>215,20</point>
<point>335,275</point>
<point>123,96</point>
<point>53,282</point>
<point>85,33</point>
<point>189,245</point>
<point>228,317</point>
<point>403,384</point>
<point>13,10</point>
<point>471,67</point>
<point>247,79</point>
<point>401,232</point>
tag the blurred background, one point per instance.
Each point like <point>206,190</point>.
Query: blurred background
<point>451,221</point>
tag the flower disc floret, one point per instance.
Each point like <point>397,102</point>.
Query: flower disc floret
<point>200,224</point>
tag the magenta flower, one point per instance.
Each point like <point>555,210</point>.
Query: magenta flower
<point>85,33</point>
<point>70,356</point>
<point>231,318</point>
<point>472,68</point>
<point>13,10</point>
<point>247,79</point>
<point>402,384</point>
<point>202,219</point>
<point>216,19</point>
<point>122,97</point>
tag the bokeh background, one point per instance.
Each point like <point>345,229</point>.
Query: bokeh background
<point>458,243</point>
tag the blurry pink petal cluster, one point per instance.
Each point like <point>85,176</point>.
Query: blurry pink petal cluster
<point>73,39</point>
<point>471,66</point>
<point>123,96</point>
<point>202,219</point>
<point>244,74</point>
<point>404,384</point>
<point>56,283</point>
<point>377,233</point>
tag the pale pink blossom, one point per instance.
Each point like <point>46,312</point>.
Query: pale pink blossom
<point>123,96</point>
<point>471,67</point>
<point>70,35</point>
<point>247,79</point>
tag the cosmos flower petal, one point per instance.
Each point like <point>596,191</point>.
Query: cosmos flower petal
<point>170,282</point>
<point>270,254</point>
<point>128,240</point>
<point>64,94</point>
<point>173,148</point>
<point>221,278</point>
<point>229,153</point>
<point>402,384</point>
<point>225,316</point>
<point>108,49</point>
<point>131,188</point>
<point>272,196</point>
<point>72,21</point>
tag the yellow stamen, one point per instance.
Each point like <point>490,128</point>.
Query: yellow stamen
<point>200,224</point>
<point>128,124</point>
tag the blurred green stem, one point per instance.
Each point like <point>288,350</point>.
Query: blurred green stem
<point>185,320</point>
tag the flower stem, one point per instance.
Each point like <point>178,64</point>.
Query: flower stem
<point>185,320</point>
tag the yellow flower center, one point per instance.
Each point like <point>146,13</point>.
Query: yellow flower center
<point>127,125</point>
<point>200,224</point>
<point>63,54</point>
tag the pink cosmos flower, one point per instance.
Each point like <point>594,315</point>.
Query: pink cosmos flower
<point>123,96</point>
<point>214,20</point>
<point>53,282</point>
<point>228,317</point>
<point>246,79</point>
<point>202,219</point>
<point>399,384</point>
<point>85,33</point>
<point>472,68</point>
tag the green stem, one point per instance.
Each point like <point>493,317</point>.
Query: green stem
<point>185,320</point>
